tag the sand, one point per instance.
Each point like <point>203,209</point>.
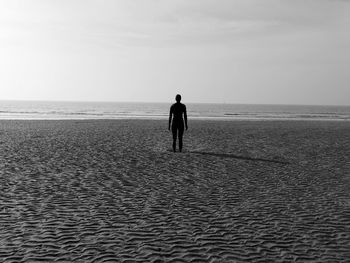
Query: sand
<point>112,191</point>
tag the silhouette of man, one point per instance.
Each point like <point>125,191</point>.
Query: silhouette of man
<point>177,110</point>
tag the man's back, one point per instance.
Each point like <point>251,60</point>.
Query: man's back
<point>178,109</point>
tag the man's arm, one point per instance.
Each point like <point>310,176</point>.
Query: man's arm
<point>185,117</point>
<point>170,116</point>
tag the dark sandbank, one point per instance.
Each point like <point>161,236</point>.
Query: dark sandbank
<point>112,190</point>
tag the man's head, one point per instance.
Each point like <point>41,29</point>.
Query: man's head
<point>178,98</point>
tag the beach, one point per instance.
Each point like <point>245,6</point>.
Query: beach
<point>113,191</point>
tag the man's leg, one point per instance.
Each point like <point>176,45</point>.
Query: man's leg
<point>181,133</point>
<point>174,130</point>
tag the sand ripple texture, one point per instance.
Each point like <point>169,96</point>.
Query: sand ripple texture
<point>112,191</point>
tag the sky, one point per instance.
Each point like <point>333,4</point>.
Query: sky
<point>210,51</point>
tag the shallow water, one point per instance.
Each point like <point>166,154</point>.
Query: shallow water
<point>120,110</point>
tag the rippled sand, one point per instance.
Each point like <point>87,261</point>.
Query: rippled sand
<point>112,191</point>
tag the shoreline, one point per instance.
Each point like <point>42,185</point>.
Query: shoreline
<point>166,118</point>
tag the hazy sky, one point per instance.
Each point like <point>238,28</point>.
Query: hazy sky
<point>233,51</point>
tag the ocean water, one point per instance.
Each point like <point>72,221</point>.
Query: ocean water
<point>120,110</point>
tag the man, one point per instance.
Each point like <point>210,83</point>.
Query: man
<point>176,120</point>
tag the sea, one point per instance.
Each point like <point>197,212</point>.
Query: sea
<point>58,110</point>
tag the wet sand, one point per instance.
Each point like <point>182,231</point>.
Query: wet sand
<point>112,191</point>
